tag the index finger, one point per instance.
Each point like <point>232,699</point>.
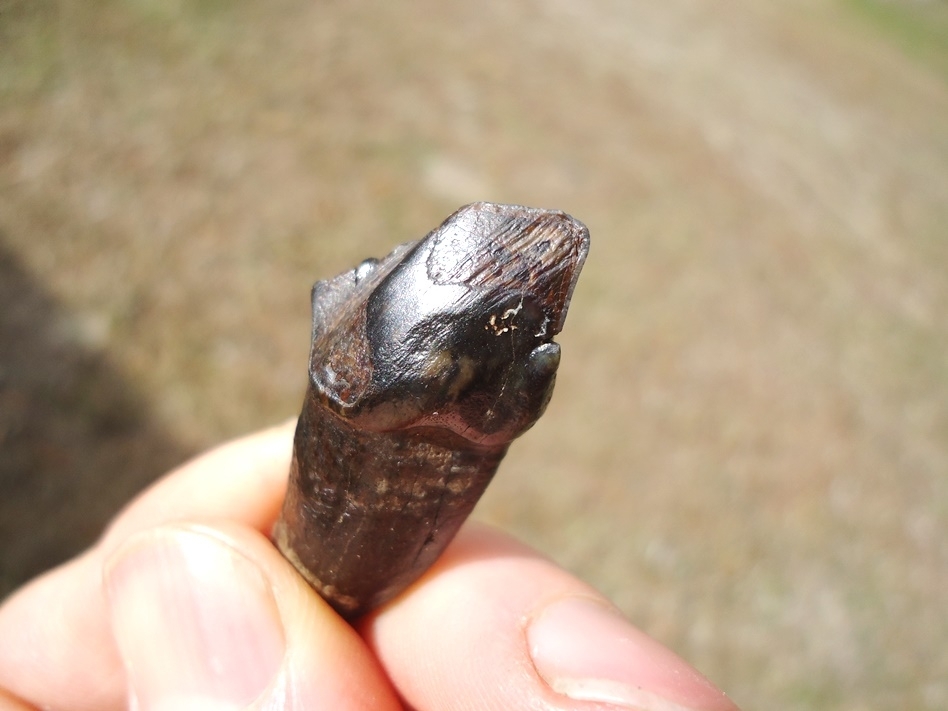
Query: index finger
<point>57,648</point>
<point>242,481</point>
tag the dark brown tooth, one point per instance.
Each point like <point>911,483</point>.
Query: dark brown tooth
<point>424,366</point>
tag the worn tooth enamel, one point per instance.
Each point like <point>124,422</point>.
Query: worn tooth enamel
<point>424,366</point>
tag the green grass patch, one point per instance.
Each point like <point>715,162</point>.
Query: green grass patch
<point>30,56</point>
<point>918,27</point>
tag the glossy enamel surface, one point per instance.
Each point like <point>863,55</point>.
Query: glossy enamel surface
<point>424,366</point>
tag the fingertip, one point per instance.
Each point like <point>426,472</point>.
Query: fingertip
<point>212,634</point>
<point>585,650</point>
<point>231,624</point>
<point>495,622</point>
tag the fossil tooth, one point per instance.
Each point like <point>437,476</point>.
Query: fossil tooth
<point>424,366</point>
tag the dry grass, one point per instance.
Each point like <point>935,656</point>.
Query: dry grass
<point>748,448</point>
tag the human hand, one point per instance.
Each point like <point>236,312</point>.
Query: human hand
<point>184,604</point>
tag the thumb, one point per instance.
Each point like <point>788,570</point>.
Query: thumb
<point>213,618</point>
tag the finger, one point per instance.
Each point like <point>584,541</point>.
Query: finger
<point>243,480</point>
<point>56,650</point>
<point>8,703</point>
<point>495,626</point>
<point>192,616</point>
<point>233,625</point>
<point>44,624</point>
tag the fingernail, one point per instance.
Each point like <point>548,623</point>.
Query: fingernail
<point>195,621</point>
<point>586,651</point>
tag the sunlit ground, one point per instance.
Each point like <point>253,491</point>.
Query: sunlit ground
<point>748,446</point>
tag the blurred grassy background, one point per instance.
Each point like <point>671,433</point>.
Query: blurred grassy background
<point>748,446</point>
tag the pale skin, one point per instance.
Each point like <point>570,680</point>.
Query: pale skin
<point>185,604</point>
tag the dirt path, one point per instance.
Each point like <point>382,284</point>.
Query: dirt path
<point>748,447</point>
